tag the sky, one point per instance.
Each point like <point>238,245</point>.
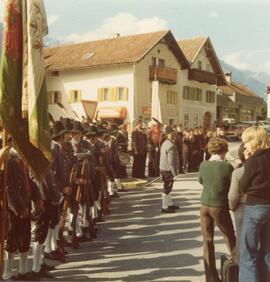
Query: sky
<point>238,29</point>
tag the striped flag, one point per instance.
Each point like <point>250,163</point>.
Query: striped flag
<point>35,27</point>
<point>12,86</point>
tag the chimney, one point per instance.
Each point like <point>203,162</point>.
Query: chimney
<point>228,76</point>
<point>115,35</point>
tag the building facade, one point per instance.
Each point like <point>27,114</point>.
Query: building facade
<point>118,74</point>
<point>236,103</point>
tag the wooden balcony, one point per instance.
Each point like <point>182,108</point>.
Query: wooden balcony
<point>163,74</point>
<point>202,76</point>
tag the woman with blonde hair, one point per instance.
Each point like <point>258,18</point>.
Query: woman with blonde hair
<point>255,183</point>
<point>215,176</point>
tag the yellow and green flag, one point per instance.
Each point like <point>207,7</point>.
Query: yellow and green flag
<point>23,97</point>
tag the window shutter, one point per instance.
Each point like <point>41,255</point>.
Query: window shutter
<point>69,97</point>
<point>99,96</point>
<point>49,95</point>
<point>114,94</point>
<point>110,98</point>
<point>126,93</point>
<point>59,97</point>
<point>79,96</point>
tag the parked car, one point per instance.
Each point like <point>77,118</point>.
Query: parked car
<point>234,132</point>
<point>262,123</point>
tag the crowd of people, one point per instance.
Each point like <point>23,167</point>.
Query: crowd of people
<point>244,190</point>
<point>90,159</point>
<point>74,195</point>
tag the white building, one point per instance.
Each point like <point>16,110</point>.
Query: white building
<point>199,102</point>
<point>118,73</point>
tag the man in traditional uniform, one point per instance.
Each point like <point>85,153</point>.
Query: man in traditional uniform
<point>58,169</point>
<point>169,169</point>
<point>153,146</point>
<point>139,149</point>
<point>122,143</point>
<point>107,160</point>
<point>20,191</point>
<point>83,171</point>
<point>92,137</point>
<point>44,218</point>
<point>179,145</point>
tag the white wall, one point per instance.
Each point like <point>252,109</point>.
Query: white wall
<point>198,107</point>
<point>136,79</point>
<point>143,84</point>
<point>88,81</point>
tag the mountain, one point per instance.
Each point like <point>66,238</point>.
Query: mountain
<point>255,81</point>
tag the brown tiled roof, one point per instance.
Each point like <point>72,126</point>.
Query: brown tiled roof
<point>191,47</point>
<point>119,50</point>
<point>242,89</point>
<point>234,87</point>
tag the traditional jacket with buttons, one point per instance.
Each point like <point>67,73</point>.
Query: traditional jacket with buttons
<point>139,142</point>
<point>58,166</point>
<point>69,161</point>
<point>20,187</point>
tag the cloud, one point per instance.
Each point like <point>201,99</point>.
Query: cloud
<point>253,60</point>
<point>213,15</point>
<point>52,19</point>
<point>122,23</point>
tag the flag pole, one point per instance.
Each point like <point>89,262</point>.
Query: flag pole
<point>3,208</point>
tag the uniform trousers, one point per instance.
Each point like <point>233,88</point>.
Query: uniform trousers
<point>19,233</point>
<point>138,167</point>
<point>153,162</point>
<point>167,178</point>
<point>49,218</point>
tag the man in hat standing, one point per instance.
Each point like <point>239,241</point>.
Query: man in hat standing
<point>20,192</point>
<point>92,136</point>
<point>153,146</point>
<point>169,169</point>
<point>58,170</point>
<point>139,149</point>
<point>83,171</point>
<point>44,218</point>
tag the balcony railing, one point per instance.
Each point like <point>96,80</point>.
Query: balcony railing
<point>163,74</point>
<point>202,76</point>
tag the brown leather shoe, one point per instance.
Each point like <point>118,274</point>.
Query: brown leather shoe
<point>173,207</point>
<point>167,210</point>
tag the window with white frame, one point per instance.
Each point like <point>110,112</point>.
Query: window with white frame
<point>54,97</point>
<point>210,97</point>
<point>196,120</point>
<point>161,63</point>
<point>171,121</point>
<point>154,61</point>
<point>74,96</point>
<point>186,120</point>
<point>171,97</point>
<point>106,94</point>
<point>120,94</point>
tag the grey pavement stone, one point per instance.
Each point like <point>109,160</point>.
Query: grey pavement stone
<point>138,243</point>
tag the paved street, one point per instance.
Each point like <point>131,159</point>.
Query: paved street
<point>138,243</point>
